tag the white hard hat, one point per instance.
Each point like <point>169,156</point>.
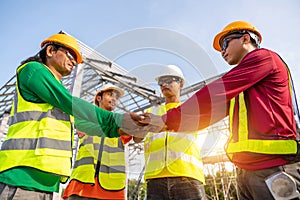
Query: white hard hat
<point>170,70</point>
<point>107,87</point>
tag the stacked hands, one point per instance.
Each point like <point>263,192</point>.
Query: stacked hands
<point>138,125</point>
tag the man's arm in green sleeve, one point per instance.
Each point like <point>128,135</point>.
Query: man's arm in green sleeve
<point>45,88</point>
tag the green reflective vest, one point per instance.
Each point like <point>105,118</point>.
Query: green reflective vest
<point>101,157</point>
<point>39,136</point>
<point>176,152</point>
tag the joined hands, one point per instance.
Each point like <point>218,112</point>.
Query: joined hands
<point>138,125</point>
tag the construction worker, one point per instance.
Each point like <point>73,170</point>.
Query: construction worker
<point>173,166</point>
<point>36,154</point>
<point>257,95</point>
<point>99,170</point>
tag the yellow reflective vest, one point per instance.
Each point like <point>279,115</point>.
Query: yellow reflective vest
<point>244,144</point>
<point>178,153</point>
<point>39,136</point>
<point>101,157</point>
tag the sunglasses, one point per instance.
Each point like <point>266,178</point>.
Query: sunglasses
<point>69,55</point>
<point>228,39</point>
<point>168,80</point>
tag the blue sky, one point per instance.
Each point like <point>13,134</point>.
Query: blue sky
<point>24,24</point>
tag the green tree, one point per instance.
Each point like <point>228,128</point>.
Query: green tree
<point>136,190</point>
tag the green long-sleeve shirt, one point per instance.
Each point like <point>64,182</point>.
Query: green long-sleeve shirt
<point>37,84</point>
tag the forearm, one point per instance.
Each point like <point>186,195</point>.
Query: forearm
<point>195,113</point>
<point>96,129</point>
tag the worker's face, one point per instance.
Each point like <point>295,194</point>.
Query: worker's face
<point>170,86</point>
<point>109,100</point>
<point>233,48</point>
<point>60,60</point>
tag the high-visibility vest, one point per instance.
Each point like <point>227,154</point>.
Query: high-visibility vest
<point>176,152</point>
<point>110,156</point>
<point>244,144</point>
<point>39,136</point>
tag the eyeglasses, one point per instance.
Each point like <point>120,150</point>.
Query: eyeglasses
<point>228,39</point>
<point>113,93</point>
<point>168,80</point>
<point>69,55</point>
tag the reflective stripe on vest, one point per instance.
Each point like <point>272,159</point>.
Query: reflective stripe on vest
<point>39,136</point>
<point>112,164</point>
<point>37,116</point>
<point>31,144</point>
<point>174,156</point>
<point>244,144</point>
<point>294,100</point>
<point>177,152</point>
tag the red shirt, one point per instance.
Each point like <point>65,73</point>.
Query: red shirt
<point>264,79</point>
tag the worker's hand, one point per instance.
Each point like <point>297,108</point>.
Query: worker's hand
<point>137,118</point>
<point>131,125</point>
<point>137,140</point>
<point>80,134</point>
<point>137,125</point>
<point>154,121</point>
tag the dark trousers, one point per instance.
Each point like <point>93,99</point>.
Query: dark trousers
<point>252,186</point>
<point>175,188</point>
<point>75,197</point>
<point>8,192</point>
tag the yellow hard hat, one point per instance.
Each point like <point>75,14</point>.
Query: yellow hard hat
<point>234,26</point>
<point>66,40</point>
<point>106,88</point>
